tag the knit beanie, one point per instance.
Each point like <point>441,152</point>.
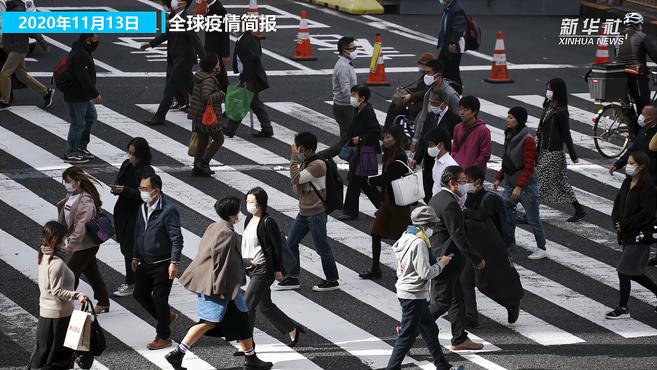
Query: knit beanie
<point>520,114</point>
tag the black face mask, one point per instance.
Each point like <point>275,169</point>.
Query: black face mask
<point>93,46</point>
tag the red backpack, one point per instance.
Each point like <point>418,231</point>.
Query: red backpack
<point>61,76</point>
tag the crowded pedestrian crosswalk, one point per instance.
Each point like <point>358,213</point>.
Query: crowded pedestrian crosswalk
<point>566,295</point>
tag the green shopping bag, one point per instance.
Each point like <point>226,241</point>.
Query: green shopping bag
<point>238,102</point>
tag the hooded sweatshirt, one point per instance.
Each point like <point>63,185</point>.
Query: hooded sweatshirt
<point>414,271</point>
<point>476,149</point>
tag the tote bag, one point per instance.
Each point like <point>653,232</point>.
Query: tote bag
<point>238,102</point>
<point>209,115</point>
<point>409,188</point>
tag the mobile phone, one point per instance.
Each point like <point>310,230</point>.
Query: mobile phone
<point>451,255</point>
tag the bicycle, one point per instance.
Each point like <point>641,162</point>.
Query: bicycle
<point>611,126</point>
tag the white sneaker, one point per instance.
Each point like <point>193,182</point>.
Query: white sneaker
<point>124,290</point>
<point>538,254</point>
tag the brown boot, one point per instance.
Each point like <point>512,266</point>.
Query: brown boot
<point>159,343</point>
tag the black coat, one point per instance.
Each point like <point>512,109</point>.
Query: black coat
<point>269,238</point>
<point>554,130</point>
<point>249,51</point>
<point>83,70</point>
<point>126,208</point>
<point>448,122</point>
<point>634,209</point>
<point>366,126</point>
<point>217,42</point>
<point>450,233</point>
<point>182,47</point>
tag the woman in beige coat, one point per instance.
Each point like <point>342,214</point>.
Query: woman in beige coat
<point>216,275</point>
<point>80,205</point>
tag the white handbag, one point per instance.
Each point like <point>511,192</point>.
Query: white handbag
<point>409,188</point>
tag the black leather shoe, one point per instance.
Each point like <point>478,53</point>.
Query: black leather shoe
<point>577,216</point>
<point>150,122</point>
<point>371,274</point>
<point>263,135</point>
<point>199,172</point>
<point>254,363</point>
<point>471,324</point>
<point>294,341</point>
<point>175,358</point>
<point>514,313</point>
<point>346,217</point>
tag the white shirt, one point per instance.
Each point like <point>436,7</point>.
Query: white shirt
<point>438,168</point>
<point>67,207</point>
<point>240,66</point>
<point>250,245</point>
<point>149,211</point>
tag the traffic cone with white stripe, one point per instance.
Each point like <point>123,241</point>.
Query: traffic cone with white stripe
<point>253,11</point>
<point>304,50</point>
<point>377,74</point>
<point>499,72</point>
<point>602,51</point>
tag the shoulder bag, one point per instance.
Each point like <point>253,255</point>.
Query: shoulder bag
<point>409,188</point>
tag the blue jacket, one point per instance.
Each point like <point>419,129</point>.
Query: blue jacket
<point>452,28</point>
<point>161,240</point>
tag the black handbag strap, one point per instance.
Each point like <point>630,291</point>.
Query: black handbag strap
<point>88,305</point>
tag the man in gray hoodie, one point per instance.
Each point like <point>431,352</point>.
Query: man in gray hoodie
<point>414,274</point>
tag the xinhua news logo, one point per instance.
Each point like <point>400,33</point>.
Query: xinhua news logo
<point>590,31</point>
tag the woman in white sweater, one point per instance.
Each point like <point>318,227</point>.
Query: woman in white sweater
<point>56,282</point>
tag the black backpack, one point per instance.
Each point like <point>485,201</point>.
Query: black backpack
<point>334,186</point>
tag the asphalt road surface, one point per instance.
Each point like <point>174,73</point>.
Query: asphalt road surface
<point>562,325</point>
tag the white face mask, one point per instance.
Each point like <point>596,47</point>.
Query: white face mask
<point>443,2</point>
<point>428,80</point>
<point>466,188</point>
<point>354,101</point>
<point>631,170</point>
<point>641,120</point>
<point>433,151</point>
<point>435,110</point>
<point>549,94</point>
<point>70,188</point>
<point>252,208</point>
<point>428,232</point>
<point>353,54</point>
<point>146,196</point>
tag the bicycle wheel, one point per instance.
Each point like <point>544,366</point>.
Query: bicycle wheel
<point>611,131</point>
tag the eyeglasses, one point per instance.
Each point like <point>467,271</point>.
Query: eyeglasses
<point>352,49</point>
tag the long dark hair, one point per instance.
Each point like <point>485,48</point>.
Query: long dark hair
<point>261,197</point>
<point>142,150</point>
<point>52,236</point>
<point>559,93</point>
<point>397,132</point>
<point>642,160</point>
<point>76,173</point>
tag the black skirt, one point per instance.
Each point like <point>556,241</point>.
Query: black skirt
<point>234,326</point>
<point>50,352</point>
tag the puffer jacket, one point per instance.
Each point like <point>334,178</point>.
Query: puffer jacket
<point>206,86</point>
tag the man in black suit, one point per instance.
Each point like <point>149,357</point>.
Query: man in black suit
<point>218,42</point>
<point>449,237</point>
<point>439,116</point>
<point>451,44</point>
<point>247,62</point>
<point>182,50</point>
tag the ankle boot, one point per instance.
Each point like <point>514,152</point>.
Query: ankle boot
<point>254,363</point>
<point>206,166</point>
<point>175,358</point>
<point>579,212</point>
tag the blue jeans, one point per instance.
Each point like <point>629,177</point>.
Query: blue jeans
<point>83,117</point>
<point>317,227</point>
<point>529,200</point>
<point>416,317</point>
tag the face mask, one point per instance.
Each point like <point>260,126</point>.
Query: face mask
<point>354,102</point>
<point>301,157</point>
<point>641,120</point>
<point>388,143</point>
<point>471,188</point>
<point>146,196</point>
<point>428,80</point>
<point>29,5</point>
<point>435,110</point>
<point>428,232</point>
<point>353,54</point>
<point>464,189</point>
<point>433,151</point>
<point>133,160</point>
<point>252,208</point>
<point>549,94</point>
<point>442,2</point>
<point>93,46</point>
<point>631,170</point>
<point>70,188</point>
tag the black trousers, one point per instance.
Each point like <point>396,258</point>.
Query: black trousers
<point>50,352</point>
<point>179,82</point>
<point>152,288</point>
<point>469,294</point>
<point>427,176</point>
<point>452,63</point>
<point>447,296</point>
<point>84,262</point>
<point>639,89</point>
<point>626,284</point>
<point>205,152</point>
<point>356,184</point>
<point>258,295</point>
<point>258,108</point>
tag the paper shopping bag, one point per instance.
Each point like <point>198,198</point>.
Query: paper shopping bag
<point>78,334</point>
<point>193,141</point>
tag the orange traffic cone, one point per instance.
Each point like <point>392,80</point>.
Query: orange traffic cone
<point>253,10</point>
<point>377,74</point>
<point>602,51</point>
<point>499,73</point>
<point>304,50</point>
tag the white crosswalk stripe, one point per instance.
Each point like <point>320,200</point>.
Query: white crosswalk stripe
<point>333,327</point>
